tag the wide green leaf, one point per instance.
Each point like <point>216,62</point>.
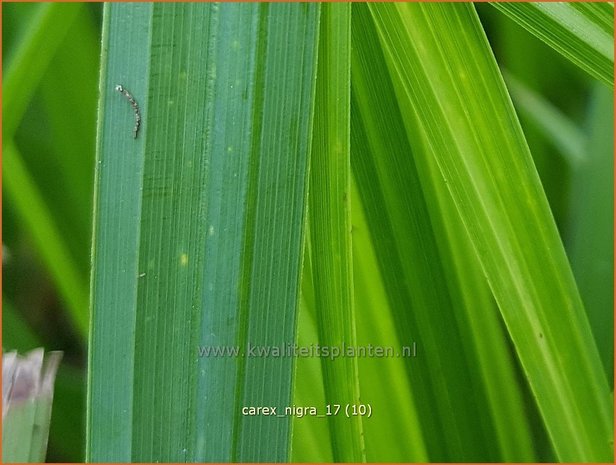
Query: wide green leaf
<point>199,225</point>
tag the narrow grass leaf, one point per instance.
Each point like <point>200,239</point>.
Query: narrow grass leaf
<point>330,222</point>
<point>582,32</point>
<point>487,340</point>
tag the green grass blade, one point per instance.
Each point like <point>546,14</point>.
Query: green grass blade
<point>199,227</point>
<point>113,288</point>
<point>330,223</point>
<point>30,61</point>
<point>69,118</point>
<point>462,111</point>
<point>453,422</point>
<point>582,32</point>
<point>56,139</point>
<point>491,368</point>
<point>284,89</point>
<point>563,133</point>
<point>384,383</point>
<point>480,320</point>
<point>310,434</point>
<point>34,213</point>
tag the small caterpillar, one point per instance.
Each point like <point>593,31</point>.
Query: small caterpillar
<point>133,103</point>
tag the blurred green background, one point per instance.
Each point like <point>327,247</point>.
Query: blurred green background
<point>50,86</point>
<point>50,122</point>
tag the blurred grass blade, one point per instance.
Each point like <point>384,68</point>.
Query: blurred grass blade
<point>591,238</point>
<point>563,133</point>
<point>30,61</point>
<point>330,227</point>
<point>458,103</point>
<point>582,32</point>
<point>27,396</point>
<point>31,207</point>
<point>199,225</point>
<point>45,34</point>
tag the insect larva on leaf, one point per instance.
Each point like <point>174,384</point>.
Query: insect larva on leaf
<point>133,103</point>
